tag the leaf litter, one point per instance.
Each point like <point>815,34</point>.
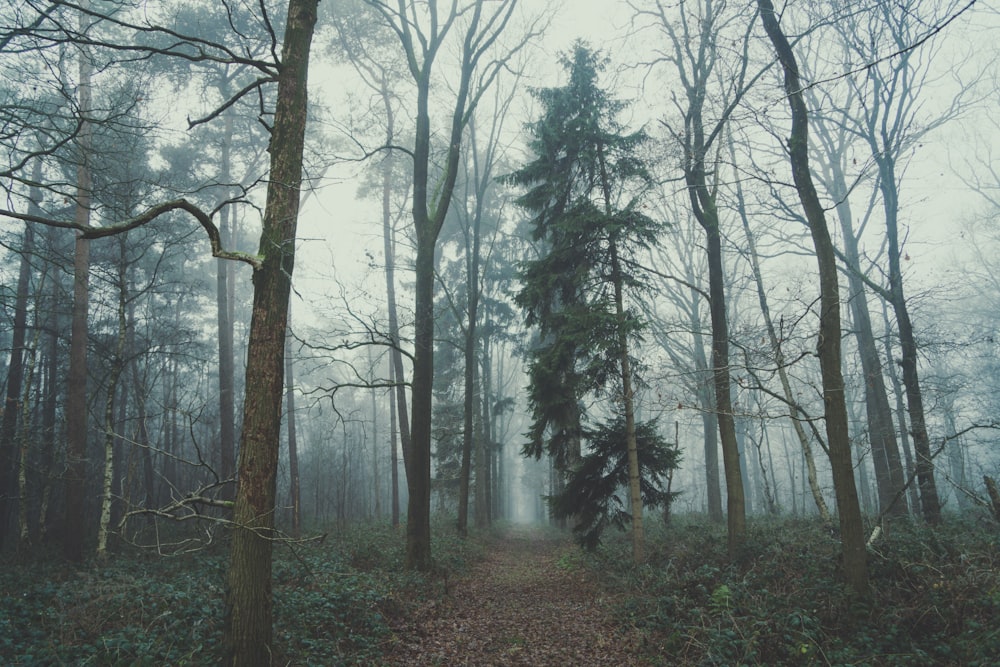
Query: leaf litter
<point>526,603</point>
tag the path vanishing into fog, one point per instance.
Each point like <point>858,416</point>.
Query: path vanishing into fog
<point>527,603</point>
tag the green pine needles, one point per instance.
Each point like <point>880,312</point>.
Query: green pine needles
<point>592,495</point>
<point>584,192</point>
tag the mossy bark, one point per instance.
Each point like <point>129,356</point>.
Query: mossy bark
<point>249,601</point>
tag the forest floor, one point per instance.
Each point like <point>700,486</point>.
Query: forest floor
<point>529,602</point>
<point>530,596</point>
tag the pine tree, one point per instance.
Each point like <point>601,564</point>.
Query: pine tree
<point>584,191</point>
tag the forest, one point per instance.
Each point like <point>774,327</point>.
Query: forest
<point>499,332</point>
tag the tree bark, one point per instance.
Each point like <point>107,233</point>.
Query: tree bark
<point>418,464</point>
<point>249,604</point>
<point>294,488</point>
<point>54,323</point>
<point>900,410</point>
<point>117,367</point>
<point>735,498</point>
<point>703,206</point>
<point>889,475</point>
<point>828,345</point>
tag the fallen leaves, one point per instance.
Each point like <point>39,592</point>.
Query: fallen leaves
<point>520,606</point>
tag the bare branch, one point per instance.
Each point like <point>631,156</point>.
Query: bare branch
<point>144,218</point>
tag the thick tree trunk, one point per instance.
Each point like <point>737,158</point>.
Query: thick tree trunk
<point>418,464</point>
<point>900,410</point>
<point>828,345</point>
<point>735,498</point>
<point>249,602</point>
<point>930,503</point>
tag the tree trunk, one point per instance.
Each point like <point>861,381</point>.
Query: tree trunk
<point>889,475</point>
<point>54,325</point>
<point>828,345</point>
<point>249,602</point>
<point>429,210</point>
<point>398,375</point>
<point>705,212</point>
<point>376,481</point>
<point>735,498</point>
<point>956,460</point>
<point>24,438</point>
<point>709,417</point>
<point>394,471</point>
<point>930,503</point>
<point>628,400</point>
<point>142,441</point>
<point>74,528</point>
<point>294,490</point>
<point>418,466</point>
<point>114,375</point>
<point>15,377</point>
<point>471,398</point>
<point>487,434</point>
<point>900,409</point>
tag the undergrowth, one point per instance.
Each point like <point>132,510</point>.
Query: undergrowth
<point>935,596</point>
<point>333,603</point>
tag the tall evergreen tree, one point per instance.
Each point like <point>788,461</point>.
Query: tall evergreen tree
<point>584,190</point>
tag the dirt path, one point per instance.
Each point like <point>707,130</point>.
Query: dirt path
<point>524,605</point>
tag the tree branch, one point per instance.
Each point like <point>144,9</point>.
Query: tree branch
<point>144,218</point>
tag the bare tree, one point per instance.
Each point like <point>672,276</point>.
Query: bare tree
<point>891,122</point>
<point>828,345</point>
<point>422,32</point>
<point>693,48</point>
<point>249,602</point>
